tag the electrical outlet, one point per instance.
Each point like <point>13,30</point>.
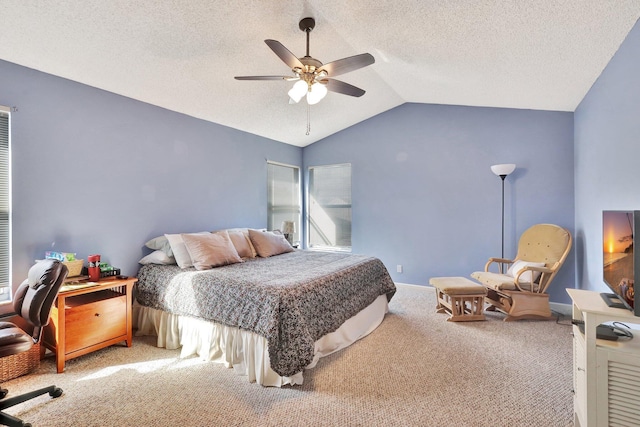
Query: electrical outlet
<point>399,268</point>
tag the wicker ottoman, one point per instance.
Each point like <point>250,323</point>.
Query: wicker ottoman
<point>462,298</point>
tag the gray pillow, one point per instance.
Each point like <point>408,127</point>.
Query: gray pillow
<point>160,243</point>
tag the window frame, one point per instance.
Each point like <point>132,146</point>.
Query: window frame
<point>308,216</point>
<point>296,239</point>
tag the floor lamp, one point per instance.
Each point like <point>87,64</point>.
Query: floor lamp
<point>502,171</point>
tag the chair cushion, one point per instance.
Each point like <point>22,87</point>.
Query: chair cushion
<point>499,282</point>
<point>14,340</point>
<point>457,286</point>
<point>543,243</point>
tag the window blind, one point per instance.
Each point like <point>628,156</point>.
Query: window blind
<point>5,217</point>
<point>329,205</point>
<point>283,197</point>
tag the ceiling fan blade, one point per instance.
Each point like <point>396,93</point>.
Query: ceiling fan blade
<point>287,78</point>
<point>341,87</point>
<point>285,54</point>
<point>345,65</point>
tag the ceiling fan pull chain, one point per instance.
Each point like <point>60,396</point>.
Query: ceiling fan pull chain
<point>308,119</point>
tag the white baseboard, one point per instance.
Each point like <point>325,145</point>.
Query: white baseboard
<point>426,288</point>
<point>414,286</point>
<point>564,309</point>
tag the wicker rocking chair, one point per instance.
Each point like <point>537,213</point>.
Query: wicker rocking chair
<point>521,291</point>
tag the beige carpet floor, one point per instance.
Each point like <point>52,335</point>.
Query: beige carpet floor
<point>416,369</point>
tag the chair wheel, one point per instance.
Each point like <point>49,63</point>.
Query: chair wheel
<point>3,393</point>
<point>26,425</point>
<point>57,392</point>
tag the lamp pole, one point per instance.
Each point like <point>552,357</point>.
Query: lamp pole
<point>502,253</point>
<point>502,171</point>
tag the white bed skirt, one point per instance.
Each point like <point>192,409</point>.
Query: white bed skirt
<point>246,352</point>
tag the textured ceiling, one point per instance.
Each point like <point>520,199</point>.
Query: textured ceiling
<point>183,55</point>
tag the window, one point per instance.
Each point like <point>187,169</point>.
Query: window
<point>329,207</point>
<point>283,197</point>
<point>5,217</point>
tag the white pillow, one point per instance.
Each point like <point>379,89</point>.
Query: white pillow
<point>180,250</point>
<point>526,277</point>
<point>157,257</point>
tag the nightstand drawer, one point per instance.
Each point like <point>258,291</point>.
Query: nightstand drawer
<point>90,322</point>
<point>89,318</point>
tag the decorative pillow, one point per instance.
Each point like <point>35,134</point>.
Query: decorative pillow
<point>268,244</point>
<point>160,243</point>
<point>179,250</point>
<point>210,250</point>
<point>526,277</point>
<point>158,257</point>
<point>245,231</point>
<point>242,243</point>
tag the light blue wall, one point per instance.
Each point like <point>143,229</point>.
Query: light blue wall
<point>607,155</point>
<point>97,172</point>
<point>424,195</point>
<point>94,172</point>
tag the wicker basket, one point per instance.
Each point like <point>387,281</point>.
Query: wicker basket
<point>16,365</point>
<point>75,267</point>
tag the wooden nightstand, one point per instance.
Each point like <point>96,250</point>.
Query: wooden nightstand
<point>86,319</point>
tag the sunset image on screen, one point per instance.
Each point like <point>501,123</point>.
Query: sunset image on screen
<point>617,252</point>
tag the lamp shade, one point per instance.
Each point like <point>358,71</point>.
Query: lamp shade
<point>317,92</point>
<point>297,91</point>
<point>288,227</point>
<point>503,169</point>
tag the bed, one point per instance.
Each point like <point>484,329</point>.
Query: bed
<point>269,318</point>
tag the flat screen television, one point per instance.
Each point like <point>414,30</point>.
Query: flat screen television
<point>621,263</point>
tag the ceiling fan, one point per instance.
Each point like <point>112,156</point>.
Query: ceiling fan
<point>312,77</point>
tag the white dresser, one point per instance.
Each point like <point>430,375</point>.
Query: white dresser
<point>606,374</point>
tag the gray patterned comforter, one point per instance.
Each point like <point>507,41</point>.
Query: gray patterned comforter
<point>291,299</point>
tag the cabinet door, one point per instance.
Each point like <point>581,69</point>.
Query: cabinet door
<point>579,375</point>
<point>93,323</point>
<point>618,388</point>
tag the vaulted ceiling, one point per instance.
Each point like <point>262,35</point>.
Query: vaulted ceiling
<point>183,55</point>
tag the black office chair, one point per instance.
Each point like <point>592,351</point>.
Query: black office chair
<point>32,302</point>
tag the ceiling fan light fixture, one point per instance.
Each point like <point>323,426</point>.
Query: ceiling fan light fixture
<point>298,90</point>
<point>315,78</point>
<point>317,92</point>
